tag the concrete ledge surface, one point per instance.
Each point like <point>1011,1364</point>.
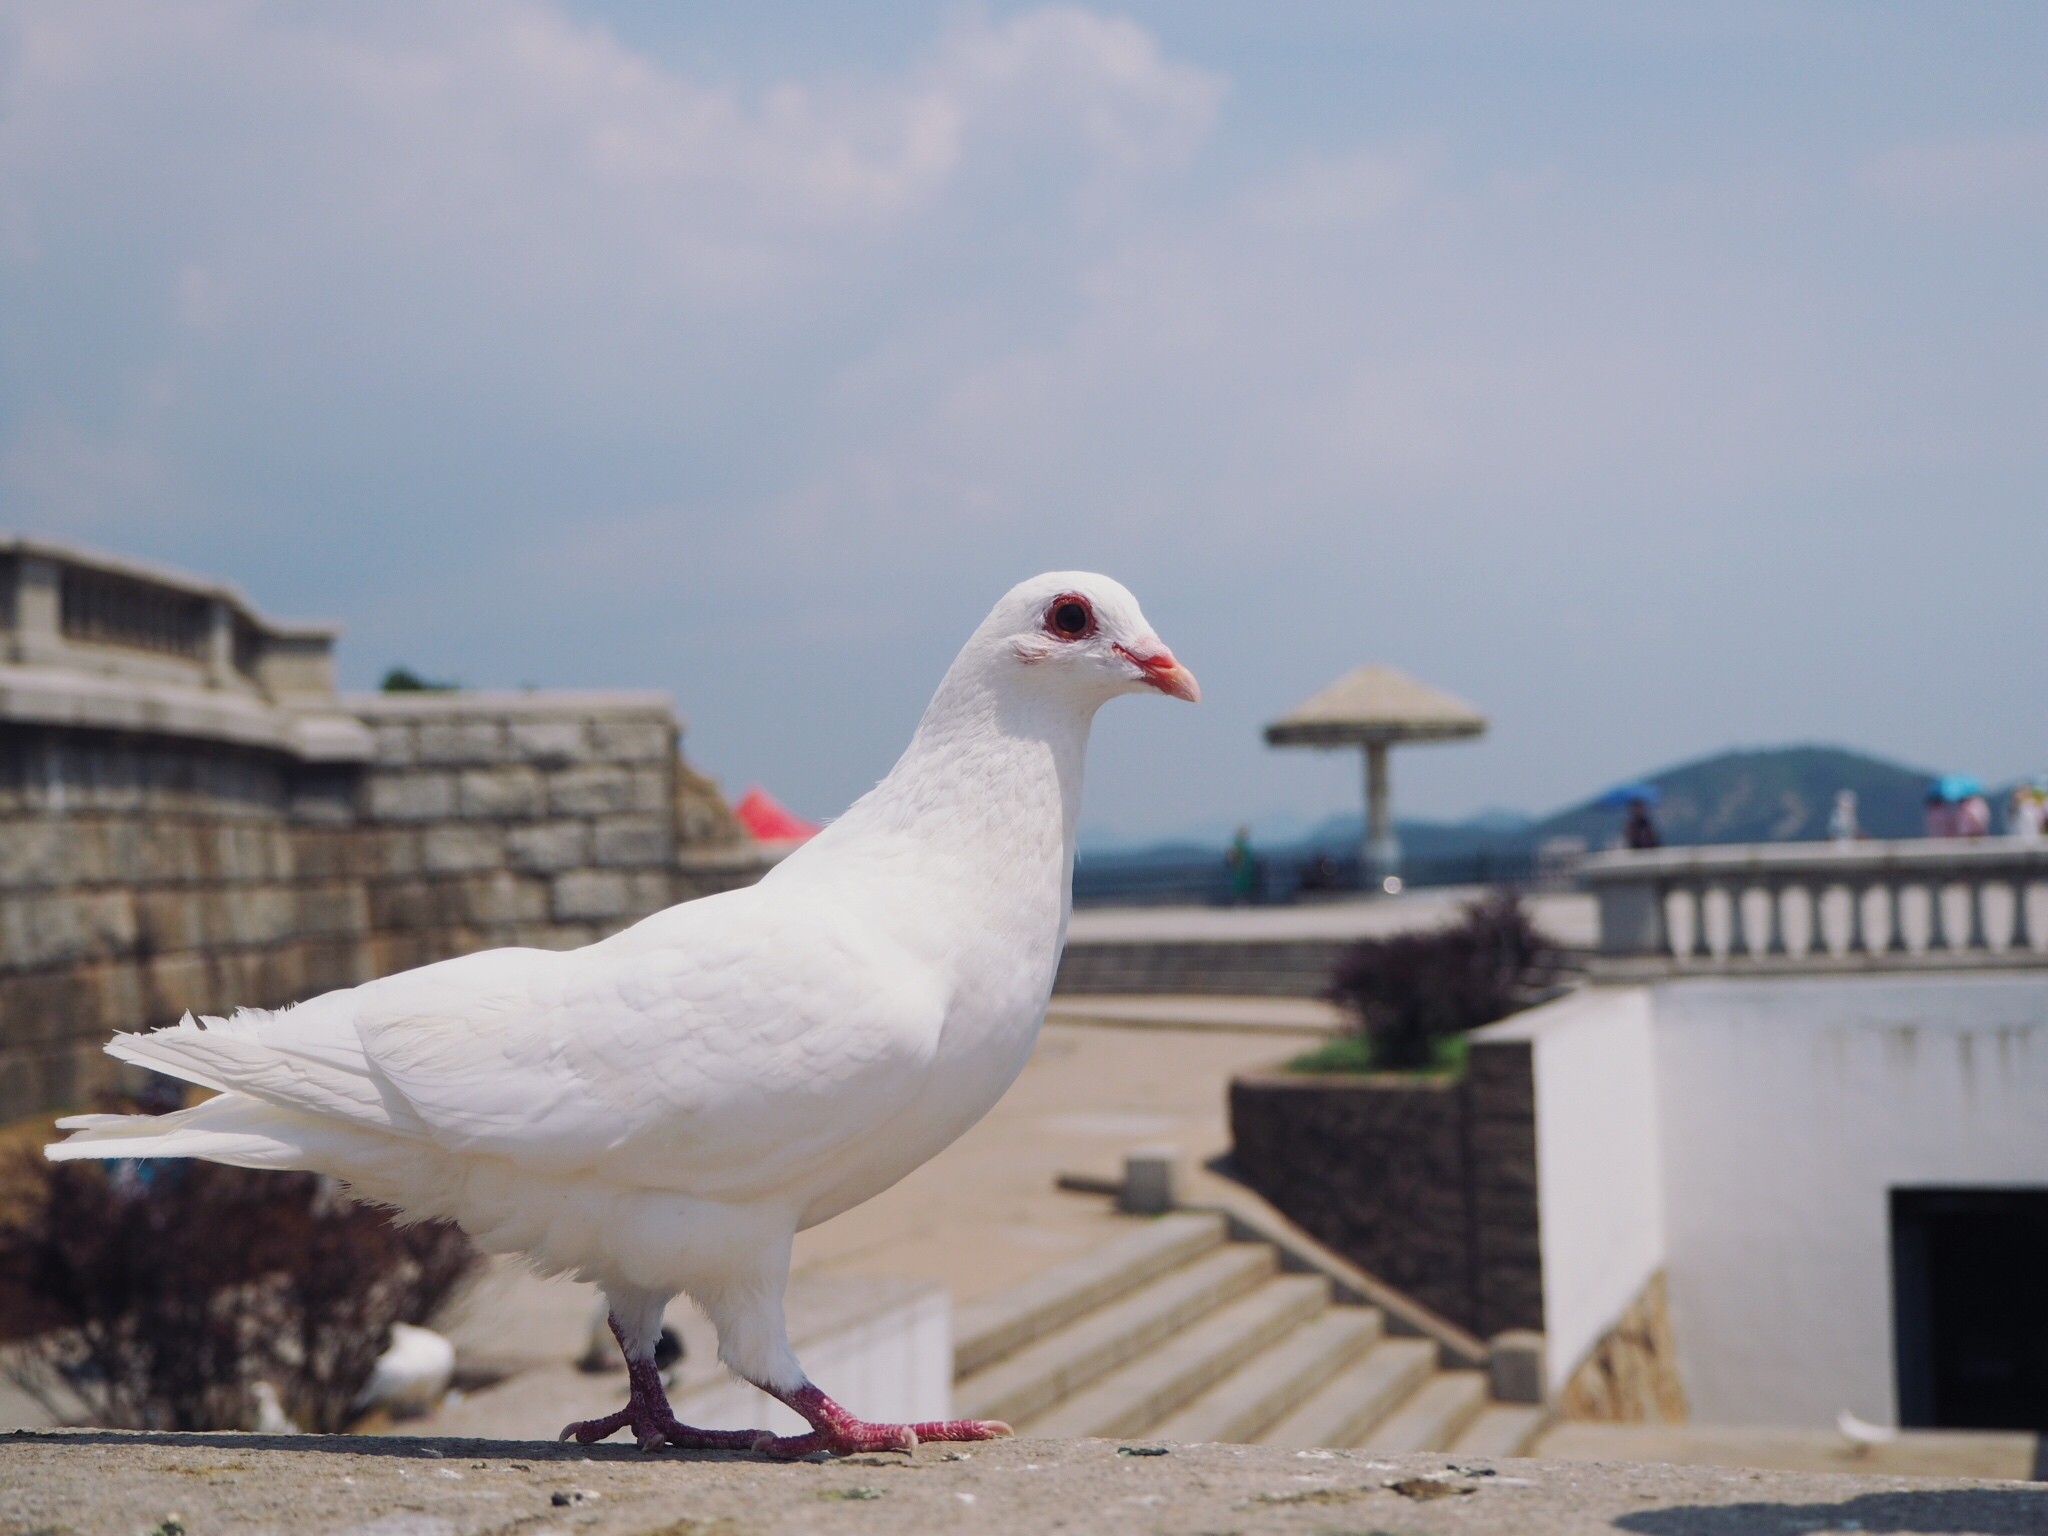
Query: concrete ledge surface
<point>89,1482</point>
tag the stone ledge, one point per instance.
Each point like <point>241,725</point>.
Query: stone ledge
<point>567,702</point>
<point>56,697</point>
<point>95,1481</point>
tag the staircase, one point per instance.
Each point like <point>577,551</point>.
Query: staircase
<point>1177,1331</point>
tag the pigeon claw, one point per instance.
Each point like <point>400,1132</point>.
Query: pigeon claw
<point>655,1429</point>
<point>964,1429</point>
<point>838,1433</point>
<point>839,1440</point>
<point>590,1431</point>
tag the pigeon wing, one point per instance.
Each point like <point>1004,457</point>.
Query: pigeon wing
<point>755,1043</point>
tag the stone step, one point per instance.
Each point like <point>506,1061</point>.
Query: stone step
<point>1035,1377</point>
<point>1432,1417</point>
<point>1501,1429</point>
<point>1131,1400</point>
<point>987,1330</point>
<point>1342,1411</point>
<point>1273,1381</point>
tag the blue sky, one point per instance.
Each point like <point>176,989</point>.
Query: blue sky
<point>1660,378</point>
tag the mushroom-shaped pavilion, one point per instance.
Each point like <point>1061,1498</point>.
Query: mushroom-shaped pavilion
<point>1374,707</point>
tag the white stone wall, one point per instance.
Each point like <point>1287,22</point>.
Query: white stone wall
<point>1600,1194</point>
<point>1744,1135</point>
<point>1790,1109</point>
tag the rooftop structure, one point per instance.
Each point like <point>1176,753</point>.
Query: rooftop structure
<point>96,641</point>
<point>1374,707</point>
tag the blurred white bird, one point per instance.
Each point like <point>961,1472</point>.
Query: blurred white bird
<point>412,1373</point>
<point>1861,1433</point>
<point>664,1110</point>
<point>271,1419</point>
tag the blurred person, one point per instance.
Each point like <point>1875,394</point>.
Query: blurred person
<point>1842,825</point>
<point>1244,868</point>
<point>1973,817</point>
<point>2026,814</point>
<point>1640,829</point>
<point>1939,819</point>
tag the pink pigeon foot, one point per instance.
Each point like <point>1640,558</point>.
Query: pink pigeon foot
<point>839,1433</point>
<point>652,1421</point>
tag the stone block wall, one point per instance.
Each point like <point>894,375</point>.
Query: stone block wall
<point>539,819</point>
<point>1427,1183</point>
<point>144,876</point>
<point>140,877</point>
<point>1256,968</point>
<point>1631,1375</point>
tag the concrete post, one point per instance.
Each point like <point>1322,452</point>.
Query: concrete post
<point>1148,1188</point>
<point>38,610</point>
<point>1515,1367</point>
<point>1382,847</point>
<point>220,644</point>
<point>1632,918</point>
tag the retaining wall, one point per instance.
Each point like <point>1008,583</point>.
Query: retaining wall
<point>1428,1183</point>
<point>142,876</point>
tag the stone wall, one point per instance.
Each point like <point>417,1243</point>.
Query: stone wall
<point>143,876</point>
<point>1255,968</point>
<point>485,819</point>
<point>1631,1375</point>
<point>1428,1183</point>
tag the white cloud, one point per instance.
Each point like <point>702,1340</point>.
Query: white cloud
<point>1323,192</point>
<point>2006,174</point>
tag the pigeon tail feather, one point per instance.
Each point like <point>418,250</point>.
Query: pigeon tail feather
<point>230,1129</point>
<point>307,1059</point>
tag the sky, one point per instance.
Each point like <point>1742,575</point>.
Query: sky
<point>1659,378</point>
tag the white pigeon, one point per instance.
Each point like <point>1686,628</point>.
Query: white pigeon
<point>664,1110</point>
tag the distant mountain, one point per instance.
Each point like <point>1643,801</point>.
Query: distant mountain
<point>1776,794</point>
<point>1769,794</point>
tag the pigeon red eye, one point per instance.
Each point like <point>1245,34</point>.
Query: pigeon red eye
<point>1070,618</point>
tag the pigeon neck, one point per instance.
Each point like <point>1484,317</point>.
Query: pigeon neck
<point>989,761</point>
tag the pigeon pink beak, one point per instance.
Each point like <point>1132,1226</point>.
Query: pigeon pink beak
<point>1164,673</point>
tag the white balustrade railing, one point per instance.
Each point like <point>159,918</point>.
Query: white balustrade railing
<point>1793,905</point>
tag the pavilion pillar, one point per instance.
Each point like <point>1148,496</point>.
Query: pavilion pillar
<point>1382,846</point>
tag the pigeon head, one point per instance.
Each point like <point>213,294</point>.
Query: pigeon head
<point>1084,634</point>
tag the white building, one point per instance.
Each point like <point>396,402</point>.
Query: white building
<point>1834,1151</point>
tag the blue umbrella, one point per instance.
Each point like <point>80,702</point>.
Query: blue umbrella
<point>1952,787</point>
<point>1622,796</point>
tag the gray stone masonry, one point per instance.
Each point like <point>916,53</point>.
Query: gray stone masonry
<point>98,1481</point>
<point>1427,1182</point>
<point>142,876</point>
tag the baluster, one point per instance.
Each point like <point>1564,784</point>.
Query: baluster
<point>2022,924</point>
<point>1738,931</point>
<point>1937,920</point>
<point>1859,939</point>
<point>1701,949</point>
<point>1816,930</point>
<point>1895,894</point>
<point>1978,938</point>
<point>1774,921</point>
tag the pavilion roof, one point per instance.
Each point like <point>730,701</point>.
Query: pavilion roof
<point>1375,703</point>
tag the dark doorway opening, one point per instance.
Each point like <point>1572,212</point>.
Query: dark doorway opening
<point>1970,1307</point>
